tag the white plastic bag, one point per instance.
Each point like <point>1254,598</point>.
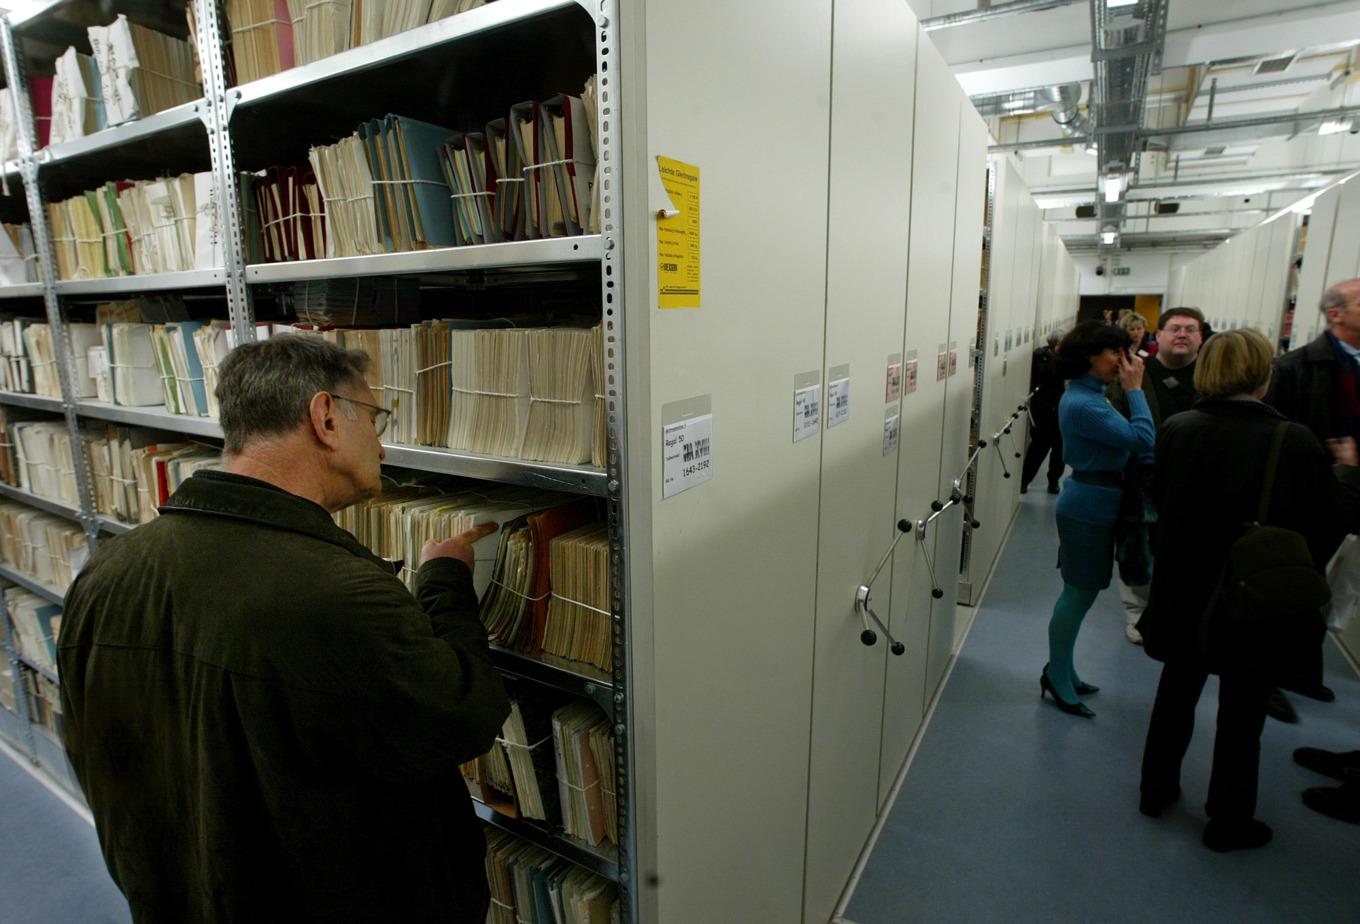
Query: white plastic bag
<point>1343,576</point>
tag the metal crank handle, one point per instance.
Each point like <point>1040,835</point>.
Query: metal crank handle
<point>894,645</point>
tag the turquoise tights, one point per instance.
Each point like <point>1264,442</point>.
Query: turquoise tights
<point>1071,608</point>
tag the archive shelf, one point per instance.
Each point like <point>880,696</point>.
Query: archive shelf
<point>164,143</point>
<point>581,680</point>
<point>38,668</point>
<point>506,255</point>
<point>151,138</point>
<point>46,504</point>
<point>437,73</point>
<point>113,526</point>
<point>148,282</point>
<point>157,417</point>
<point>598,861</point>
<point>35,402</point>
<point>24,290</point>
<point>38,587</point>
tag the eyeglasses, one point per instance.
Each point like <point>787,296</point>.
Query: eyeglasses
<point>380,414</point>
<point>1182,329</point>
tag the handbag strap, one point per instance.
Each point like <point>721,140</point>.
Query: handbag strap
<point>1272,464</point>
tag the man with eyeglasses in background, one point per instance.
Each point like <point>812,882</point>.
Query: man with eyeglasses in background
<point>266,723</point>
<point>1169,386</point>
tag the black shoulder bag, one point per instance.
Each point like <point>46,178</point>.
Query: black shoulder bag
<point>1269,580</point>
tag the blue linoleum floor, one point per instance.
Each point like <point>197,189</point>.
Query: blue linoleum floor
<point>51,871</point>
<point>1013,811</point>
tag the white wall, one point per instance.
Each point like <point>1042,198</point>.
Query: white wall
<point>1148,274</point>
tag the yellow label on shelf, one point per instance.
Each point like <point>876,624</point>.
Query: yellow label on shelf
<point>677,236</point>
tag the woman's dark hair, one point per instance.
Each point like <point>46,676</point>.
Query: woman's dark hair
<point>1087,339</point>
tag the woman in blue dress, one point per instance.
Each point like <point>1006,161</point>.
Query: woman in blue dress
<point>1092,356</point>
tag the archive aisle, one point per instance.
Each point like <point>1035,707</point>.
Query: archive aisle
<point>725,428</point>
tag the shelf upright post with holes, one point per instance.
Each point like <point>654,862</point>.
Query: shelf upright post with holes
<point>47,270</point>
<point>217,119</point>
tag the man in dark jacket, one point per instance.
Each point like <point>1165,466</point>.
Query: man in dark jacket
<point>1045,437</point>
<point>267,725</point>
<point>1316,386</point>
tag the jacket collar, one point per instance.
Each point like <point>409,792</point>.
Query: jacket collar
<point>1321,349</point>
<point>1238,408</point>
<point>225,494</point>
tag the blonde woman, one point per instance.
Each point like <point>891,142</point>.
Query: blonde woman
<point>1211,464</point>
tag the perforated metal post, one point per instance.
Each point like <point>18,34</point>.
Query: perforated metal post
<point>217,119</point>
<point>47,274</point>
<point>605,15</point>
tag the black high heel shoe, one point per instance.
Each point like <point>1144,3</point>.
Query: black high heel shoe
<point>1086,689</point>
<point>1046,686</point>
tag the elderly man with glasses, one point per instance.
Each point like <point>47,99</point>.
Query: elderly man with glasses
<point>266,723</point>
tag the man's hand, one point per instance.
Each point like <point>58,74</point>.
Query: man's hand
<point>1343,451</point>
<point>1130,372</point>
<point>459,547</point>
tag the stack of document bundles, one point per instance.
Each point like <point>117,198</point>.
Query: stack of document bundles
<point>142,71</point>
<point>77,97</point>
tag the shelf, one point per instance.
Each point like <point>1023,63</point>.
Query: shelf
<point>132,285</point>
<point>137,132</point>
<point>23,290</point>
<point>110,525</point>
<point>47,593</point>
<point>595,859</point>
<point>274,120</point>
<point>595,686</point>
<point>355,61</point>
<point>36,402</point>
<point>37,668</point>
<point>554,251</point>
<point>42,503</point>
<point>156,416</point>
<point>573,479</point>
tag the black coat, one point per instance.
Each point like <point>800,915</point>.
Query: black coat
<point>1210,464</point>
<point>1304,388</point>
<point>1048,386</point>
<point>268,726</point>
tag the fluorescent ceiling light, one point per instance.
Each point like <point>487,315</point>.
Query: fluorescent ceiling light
<point>1109,235</point>
<point>1115,4</point>
<point>1114,186</point>
<point>1335,127</point>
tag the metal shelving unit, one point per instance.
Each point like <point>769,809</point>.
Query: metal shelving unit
<point>598,861</point>
<point>23,580</point>
<point>38,668</point>
<point>271,121</point>
<point>46,504</point>
<point>509,255</point>
<point>33,402</point>
<point>25,290</point>
<point>133,285</point>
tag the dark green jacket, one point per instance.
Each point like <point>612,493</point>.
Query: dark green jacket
<point>267,726</point>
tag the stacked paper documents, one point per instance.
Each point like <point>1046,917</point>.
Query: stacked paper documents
<point>77,97</point>
<point>142,71</point>
<point>530,885</point>
<point>40,545</point>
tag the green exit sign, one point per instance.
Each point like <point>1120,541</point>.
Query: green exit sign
<point>1123,270</point>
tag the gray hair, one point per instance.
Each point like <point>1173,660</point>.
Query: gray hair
<point>1336,296</point>
<point>265,388</point>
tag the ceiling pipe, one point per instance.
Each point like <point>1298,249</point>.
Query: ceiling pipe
<point>987,14</point>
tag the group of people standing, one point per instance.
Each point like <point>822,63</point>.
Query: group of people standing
<point>1174,451</point>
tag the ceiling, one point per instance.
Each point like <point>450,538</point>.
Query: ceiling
<point>1221,106</point>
